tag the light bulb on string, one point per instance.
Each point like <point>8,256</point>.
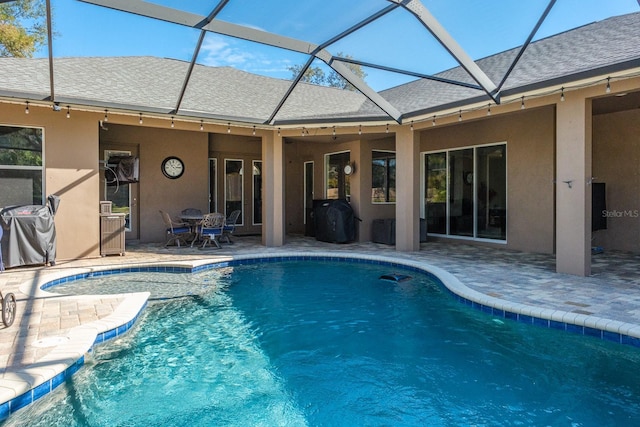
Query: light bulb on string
<point>26,109</point>
<point>106,117</point>
<point>68,112</point>
<point>201,125</point>
<point>608,88</point>
<point>562,94</point>
<point>140,121</point>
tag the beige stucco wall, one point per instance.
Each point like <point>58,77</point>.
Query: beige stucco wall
<point>71,160</point>
<point>616,162</point>
<point>530,137</point>
<point>155,190</point>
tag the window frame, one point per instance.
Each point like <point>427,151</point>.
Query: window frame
<point>386,190</point>
<point>41,168</point>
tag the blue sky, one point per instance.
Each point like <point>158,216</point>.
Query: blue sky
<point>481,27</point>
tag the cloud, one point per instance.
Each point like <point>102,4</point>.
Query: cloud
<point>220,51</point>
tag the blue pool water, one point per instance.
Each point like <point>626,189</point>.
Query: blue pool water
<point>326,344</point>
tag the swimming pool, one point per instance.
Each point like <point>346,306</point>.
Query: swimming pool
<point>270,345</point>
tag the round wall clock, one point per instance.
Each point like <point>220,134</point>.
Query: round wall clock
<point>348,169</point>
<point>172,167</point>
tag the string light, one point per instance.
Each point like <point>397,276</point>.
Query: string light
<point>68,112</point>
<point>387,130</point>
<point>411,127</point>
<point>360,130</point>
<point>562,94</point>
<point>278,131</point>
<point>303,130</point>
<point>201,125</point>
<point>140,121</point>
<point>229,127</point>
<point>608,89</point>
<point>488,109</point>
<point>26,109</point>
<point>334,131</point>
<point>522,104</point>
<point>433,122</point>
<point>106,118</point>
<point>254,130</point>
<point>172,123</point>
<point>460,116</point>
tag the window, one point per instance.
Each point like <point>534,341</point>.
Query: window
<point>337,182</point>
<point>466,192</point>
<point>21,166</point>
<point>118,195</point>
<point>234,193</point>
<point>383,177</point>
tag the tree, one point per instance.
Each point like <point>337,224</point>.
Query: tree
<point>315,75</point>
<point>23,27</point>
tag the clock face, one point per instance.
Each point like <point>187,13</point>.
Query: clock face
<point>348,169</point>
<point>172,167</point>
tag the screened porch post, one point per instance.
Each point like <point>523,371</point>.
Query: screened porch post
<point>273,230</point>
<point>573,189</point>
<point>407,189</point>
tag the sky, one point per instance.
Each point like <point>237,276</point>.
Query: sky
<point>398,40</point>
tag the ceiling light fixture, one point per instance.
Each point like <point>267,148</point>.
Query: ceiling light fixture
<point>460,116</point>
<point>229,127</point>
<point>201,124</point>
<point>411,127</point>
<point>522,104</point>
<point>360,130</point>
<point>68,112</point>
<point>172,122</point>
<point>278,131</point>
<point>140,121</point>
<point>106,118</point>
<point>254,130</point>
<point>334,131</point>
<point>387,130</point>
<point>488,109</point>
<point>26,109</point>
<point>433,122</point>
<point>608,88</point>
<point>562,94</point>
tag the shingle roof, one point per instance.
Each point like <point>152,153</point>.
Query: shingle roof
<point>557,59</point>
<point>154,84</point>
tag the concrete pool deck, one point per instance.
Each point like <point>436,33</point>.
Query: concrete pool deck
<point>50,330</point>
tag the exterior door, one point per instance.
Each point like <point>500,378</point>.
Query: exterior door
<point>308,199</point>
<point>123,196</point>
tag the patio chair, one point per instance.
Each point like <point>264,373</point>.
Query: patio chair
<point>211,229</point>
<point>230,226</point>
<point>176,232</point>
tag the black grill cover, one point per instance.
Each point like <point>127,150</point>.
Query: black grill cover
<point>334,221</point>
<point>29,234</point>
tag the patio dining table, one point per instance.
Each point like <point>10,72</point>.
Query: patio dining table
<point>193,220</point>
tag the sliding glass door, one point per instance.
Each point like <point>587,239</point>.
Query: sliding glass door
<point>466,192</point>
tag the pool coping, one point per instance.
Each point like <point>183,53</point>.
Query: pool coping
<point>22,387</point>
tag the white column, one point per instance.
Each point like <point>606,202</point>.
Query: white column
<point>273,215</point>
<point>573,189</point>
<point>407,190</point>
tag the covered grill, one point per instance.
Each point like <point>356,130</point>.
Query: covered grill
<point>29,233</point>
<point>334,220</point>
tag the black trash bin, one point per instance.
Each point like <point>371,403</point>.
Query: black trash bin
<point>29,234</point>
<point>334,221</point>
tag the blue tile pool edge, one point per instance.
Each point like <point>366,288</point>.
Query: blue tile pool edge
<point>460,292</point>
<point>41,390</point>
